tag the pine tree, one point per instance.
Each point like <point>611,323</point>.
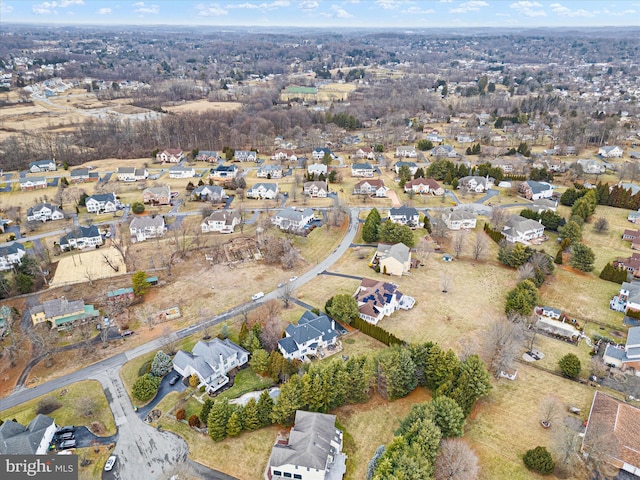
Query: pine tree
<point>371,226</point>
<point>447,415</point>
<point>265,406</point>
<point>399,371</point>
<point>218,419</point>
<point>357,388</point>
<point>234,425</point>
<point>204,411</point>
<point>471,382</point>
<point>289,400</point>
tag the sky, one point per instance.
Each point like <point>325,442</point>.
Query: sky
<point>405,14</point>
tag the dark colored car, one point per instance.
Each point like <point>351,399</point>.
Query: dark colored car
<point>68,444</point>
<point>67,429</point>
<point>126,333</point>
<point>61,437</point>
<point>174,379</point>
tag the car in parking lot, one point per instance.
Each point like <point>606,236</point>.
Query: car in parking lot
<point>68,444</point>
<point>174,379</point>
<point>61,437</point>
<point>257,296</point>
<point>110,463</point>
<point>67,429</point>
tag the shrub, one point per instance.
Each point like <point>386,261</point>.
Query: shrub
<point>161,364</point>
<point>181,414</point>
<point>539,460</point>
<point>194,421</point>
<point>194,380</point>
<point>146,366</point>
<point>570,365</point>
<point>145,387</point>
<point>137,207</point>
<point>47,405</point>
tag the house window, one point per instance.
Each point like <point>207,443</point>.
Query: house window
<point>286,475</point>
<point>277,472</point>
<point>298,476</point>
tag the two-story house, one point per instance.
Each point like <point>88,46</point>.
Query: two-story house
<point>44,212</point>
<point>170,155</point>
<point>32,183</point>
<point>284,155</point>
<point>446,151</point>
<point>610,151</point>
<point>11,255</point>
<point>362,170</point>
<point>132,174</point>
<point>210,362</point>
<point>207,156</point>
<point>34,439</point>
<point>459,219</point>
<point>245,156</point>
<point>404,216</point>
<point>292,219</point>
<point>62,314</point>
<point>317,189</point>
<point>269,171</point>
<point>423,185</point>
<point>371,187</point>
<point>80,175</point>
<point>263,191</point>
<point>157,195</point>
<point>210,193</point>
<point>536,190</point>
<point>406,152</point>
<point>522,230</point>
<point>320,152</point>
<point>392,259</point>
<point>474,183</point>
<point>627,358</point>
<point>145,227</point>
<point>222,221</point>
<point>377,299</point>
<point>40,166</point>
<point>81,237</point>
<point>365,152</point>
<point>308,337</point>
<point>102,203</point>
<point>317,169</point>
<point>178,171</point>
<point>413,168</point>
<point>224,171</point>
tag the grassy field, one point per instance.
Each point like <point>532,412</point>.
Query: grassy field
<point>71,398</point>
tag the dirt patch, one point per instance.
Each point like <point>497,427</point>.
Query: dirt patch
<point>203,106</point>
<point>88,266</point>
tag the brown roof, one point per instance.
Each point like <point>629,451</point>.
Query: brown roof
<point>613,421</point>
<point>173,151</point>
<point>373,182</point>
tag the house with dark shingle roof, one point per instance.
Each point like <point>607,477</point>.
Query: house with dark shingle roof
<point>212,193</point>
<point>536,190</point>
<point>32,183</point>
<point>211,362</point>
<point>145,227</point>
<point>312,334</point>
<point>263,190</point>
<point>11,255</point>
<point>62,313</point>
<point>44,212</point>
<point>313,450</point>
<point>404,216</point>
<point>362,170</point>
<point>81,237</point>
<point>292,219</point>
<point>222,221</point>
<point>522,230</point>
<point>627,357</point>
<point>102,203</point>
<point>40,166</point>
<point>34,439</point>
<point>377,299</point>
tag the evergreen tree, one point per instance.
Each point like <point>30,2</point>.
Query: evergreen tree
<point>558,258</point>
<point>343,307</point>
<point>572,231</point>
<point>439,367</point>
<point>218,419</point>
<point>427,224</point>
<point>447,415</point>
<point>289,400</point>
<point>582,258</point>
<point>251,415</point>
<point>392,233</point>
<point>204,411</point>
<point>357,389</point>
<point>260,361</point>
<point>404,173</point>
<point>471,382</point>
<point>371,226</point>
<point>234,425</point>
<point>265,406</point>
<point>398,369</point>
<point>419,173</point>
<point>244,331</point>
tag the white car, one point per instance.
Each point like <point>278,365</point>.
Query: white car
<point>110,463</point>
<point>257,296</point>
<point>293,279</point>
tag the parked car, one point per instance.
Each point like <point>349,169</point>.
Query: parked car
<point>61,437</point>
<point>67,429</point>
<point>257,296</point>
<point>110,463</point>
<point>293,279</point>
<point>68,444</point>
<point>126,333</point>
<point>174,379</point>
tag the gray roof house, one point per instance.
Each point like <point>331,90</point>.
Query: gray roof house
<point>82,237</point>
<point>222,221</point>
<point>145,227</point>
<point>213,193</point>
<point>11,255</point>
<point>404,216</point>
<point>210,362</point>
<point>44,212</point>
<point>458,219</point>
<point>263,190</point>
<point>522,230</point>
<point>312,334</point>
<point>393,259</point>
<point>34,439</point>
<point>313,450</point>
<point>626,357</point>
<point>102,203</point>
<point>291,219</point>
<point>42,166</point>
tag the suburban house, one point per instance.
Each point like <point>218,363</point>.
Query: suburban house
<point>634,217</point>
<point>224,171</point>
<point>34,439</point>
<point>44,212</point>
<point>630,264</point>
<point>544,204</point>
<point>628,298</point>
<point>458,219</point>
<point>222,221</point>
<point>392,259</point>
<point>33,183</point>
<point>171,155</point>
<point>610,151</point>
<point>11,255</point>
<point>269,171</point>
<point>132,174</point>
<point>245,156</point>
<point>462,138</point>
<point>365,152</point>
<point>145,227</point>
<point>474,183</point>
<point>406,152</point>
<point>40,166</point>
<point>157,195</point>
<point>512,164</point>
<point>102,203</point>
<point>424,185</point>
<point>444,151</point>
<point>522,230</point>
<point>630,235</point>
<point>211,193</point>
<point>210,361</point>
<point>310,336</point>
<point>312,451</point>
<point>413,168</point>
<point>81,237</point>
<point>317,169</point>
<point>120,295</point>
<point>377,299</point>
<point>627,358</point>
<point>62,313</point>
<point>178,171</point>
<point>536,190</point>
<point>292,219</point>
<point>81,175</point>
<point>284,155</point>
<point>319,153</point>
<point>374,188</point>
<point>263,190</point>
<point>592,167</point>
<point>615,422</point>
<point>362,170</point>
<point>317,189</point>
<point>404,216</point>
<point>207,156</point>
<point>434,138</point>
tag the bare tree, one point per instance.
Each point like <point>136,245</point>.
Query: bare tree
<point>13,342</point>
<point>601,445</point>
<point>170,340</point>
<point>457,243</point>
<point>598,367</point>
<point>502,345</point>
<point>550,408</point>
<point>566,446</point>
<point>286,294</point>
<point>145,315</point>
<point>525,272</point>
<point>109,261</point>
<point>499,218</point>
<point>456,461</point>
<point>439,229</point>
<point>121,241</point>
<point>446,281</point>
<point>480,246</point>
<point>601,225</point>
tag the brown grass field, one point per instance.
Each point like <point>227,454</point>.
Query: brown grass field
<point>88,265</point>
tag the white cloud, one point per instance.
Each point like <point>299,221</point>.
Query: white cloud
<point>419,11</point>
<point>46,8</point>
<point>308,5</point>
<point>104,11</point>
<point>212,10</point>
<point>138,4</point>
<point>340,12</point>
<point>260,6</point>
<point>446,1</point>
<point>142,8</point>
<point>620,14</point>
<point>389,4</point>
<point>528,9</point>
<point>563,11</point>
<point>472,6</point>
<point>5,9</point>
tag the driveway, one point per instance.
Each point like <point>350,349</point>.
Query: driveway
<point>394,198</point>
<point>163,390</point>
<point>490,193</point>
<point>84,438</point>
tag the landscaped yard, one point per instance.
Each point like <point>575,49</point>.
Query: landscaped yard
<point>86,395</point>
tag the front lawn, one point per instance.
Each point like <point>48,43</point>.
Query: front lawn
<point>246,381</point>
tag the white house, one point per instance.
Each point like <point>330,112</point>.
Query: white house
<point>362,170</point>
<point>319,153</point>
<point>145,227</point>
<point>317,169</point>
<point>612,151</point>
<point>317,189</point>
<point>207,156</point>
<point>377,299</point>
<point>592,167</point>
<point>474,183</point>
<point>211,362</point>
<point>627,357</point>
<point>34,439</point>
<point>309,336</point>
<point>170,155</point>
<point>263,190</point>
<point>424,185</point>
<point>444,151</point>
<point>81,237</point>
<point>40,166</point>
<point>413,168</point>
<point>224,171</point>
<point>628,298</point>
<point>406,152</point>
<point>269,171</point>
<point>536,190</point>
<point>245,156</point>
<point>284,155</point>
<point>404,216</point>
<point>11,255</point>
<point>212,193</point>
<point>222,221</point>
<point>522,230</point>
<point>434,138</point>
<point>32,183</point>
<point>459,219</point>
<point>102,203</point>
<point>291,219</point>
<point>370,187</point>
<point>312,451</point>
<point>44,212</point>
<point>178,171</point>
<point>365,152</point>
<point>132,174</point>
